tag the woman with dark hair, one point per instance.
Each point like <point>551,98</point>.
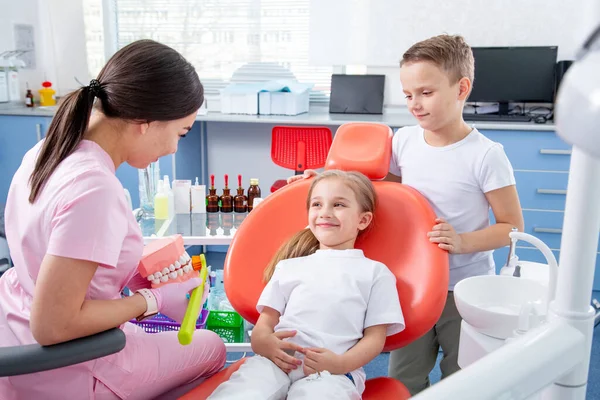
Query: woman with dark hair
<point>76,245</point>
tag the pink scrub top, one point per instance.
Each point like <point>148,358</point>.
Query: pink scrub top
<point>81,213</point>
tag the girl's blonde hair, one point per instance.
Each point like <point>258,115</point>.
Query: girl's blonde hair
<point>304,242</point>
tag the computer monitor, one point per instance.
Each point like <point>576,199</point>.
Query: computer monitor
<point>357,94</point>
<point>514,74</point>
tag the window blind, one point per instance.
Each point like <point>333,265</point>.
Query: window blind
<point>228,40</point>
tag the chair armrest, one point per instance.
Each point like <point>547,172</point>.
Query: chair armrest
<point>27,359</point>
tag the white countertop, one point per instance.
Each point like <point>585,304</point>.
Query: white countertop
<point>393,119</point>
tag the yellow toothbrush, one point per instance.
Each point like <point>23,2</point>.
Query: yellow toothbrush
<point>188,325</point>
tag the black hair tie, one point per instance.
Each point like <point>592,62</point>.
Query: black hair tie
<point>94,87</point>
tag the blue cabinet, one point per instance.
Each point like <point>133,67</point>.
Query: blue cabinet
<point>541,163</point>
<point>18,134</point>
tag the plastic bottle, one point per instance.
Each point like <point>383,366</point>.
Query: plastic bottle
<point>240,201</point>
<point>253,192</point>
<point>198,196</point>
<point>226,197</point>
<point>161,202</point>
<point>212,200</point>
<point>170,196</point>
<point>47,97</point>
<point>148,184</point>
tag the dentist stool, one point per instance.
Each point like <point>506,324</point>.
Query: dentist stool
<point>397,238</point>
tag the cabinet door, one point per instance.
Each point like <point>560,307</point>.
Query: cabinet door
<point>18,134</point>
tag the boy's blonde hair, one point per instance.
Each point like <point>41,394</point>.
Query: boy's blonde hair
<point>451,53</point>
<point>305,243</point>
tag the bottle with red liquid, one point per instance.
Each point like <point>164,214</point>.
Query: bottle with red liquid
<point>212,199</point>
<point>239,201</point>
<point>226,198</point>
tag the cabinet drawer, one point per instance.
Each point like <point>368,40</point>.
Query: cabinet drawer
<point>533,254</point>
<point>533,150</point>
<point>542,190</point>
<point>546,226</point>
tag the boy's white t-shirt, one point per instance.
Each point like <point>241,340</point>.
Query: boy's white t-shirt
<point>331,296</point>
<point>454,179</point>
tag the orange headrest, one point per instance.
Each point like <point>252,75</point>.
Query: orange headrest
<point>398,238</point>
<point>362,147</point>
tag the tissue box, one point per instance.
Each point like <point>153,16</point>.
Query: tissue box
<point>283,103</point>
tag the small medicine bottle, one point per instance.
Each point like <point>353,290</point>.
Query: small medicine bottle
<point>253,192</point>
<point>29,97</point>
<point>212,199</point>
<point>226,198</point>
<point>239,201</point>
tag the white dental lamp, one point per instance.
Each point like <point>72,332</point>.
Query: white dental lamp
<point>551,361</point>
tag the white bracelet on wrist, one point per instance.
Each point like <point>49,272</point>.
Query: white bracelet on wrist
<point>151,304</point>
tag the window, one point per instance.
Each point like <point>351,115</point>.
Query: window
<point>239,40</point>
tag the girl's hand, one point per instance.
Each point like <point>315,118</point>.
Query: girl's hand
<point>279,351</point>
<point>444,234</point>
<point>319,360</point>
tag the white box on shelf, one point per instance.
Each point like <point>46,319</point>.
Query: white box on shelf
<point>283,97</point>
<point>283,103</point>
<point>181,193</point>
<point>239,102</point>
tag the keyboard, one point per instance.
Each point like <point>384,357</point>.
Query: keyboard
<point>496,118</point>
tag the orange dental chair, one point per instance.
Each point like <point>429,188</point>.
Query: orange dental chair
<point>397,237</point>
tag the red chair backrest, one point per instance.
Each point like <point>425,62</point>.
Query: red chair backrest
<point>300,147</point>
<point>397,237</point>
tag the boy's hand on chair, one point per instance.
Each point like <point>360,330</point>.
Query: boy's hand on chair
<point>319,360</point>
<point>279,351</point>
<point>309,173</point>
<point>444,234</point>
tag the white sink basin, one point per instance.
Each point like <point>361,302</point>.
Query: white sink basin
<point>492,304</point>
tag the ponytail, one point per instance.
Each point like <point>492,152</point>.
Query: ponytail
<point>302,244</point>
<point>64,135</point>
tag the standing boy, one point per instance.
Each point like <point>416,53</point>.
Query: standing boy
<point>462,174</point>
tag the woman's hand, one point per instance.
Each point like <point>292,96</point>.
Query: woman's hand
<point>319,360</point>
<point>309,173</point>
<point>273,347</point>
<point>172,300</point>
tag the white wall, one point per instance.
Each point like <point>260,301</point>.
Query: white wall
<point>64,43</point>
<point>59,41</point>
<point>373,33</point>
<point>377,32</point>
<point>24,12</point>
<point>245,149</point>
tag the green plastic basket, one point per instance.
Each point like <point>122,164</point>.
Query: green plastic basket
<point>229,325</point>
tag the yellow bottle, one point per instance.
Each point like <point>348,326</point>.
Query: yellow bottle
<point>47,97</point>
<point>161,202</point>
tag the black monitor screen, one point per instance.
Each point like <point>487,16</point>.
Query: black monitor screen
<point>514,74</point>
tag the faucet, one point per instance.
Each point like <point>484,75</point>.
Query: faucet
<point>550,259</point>
<point>512,266</point>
